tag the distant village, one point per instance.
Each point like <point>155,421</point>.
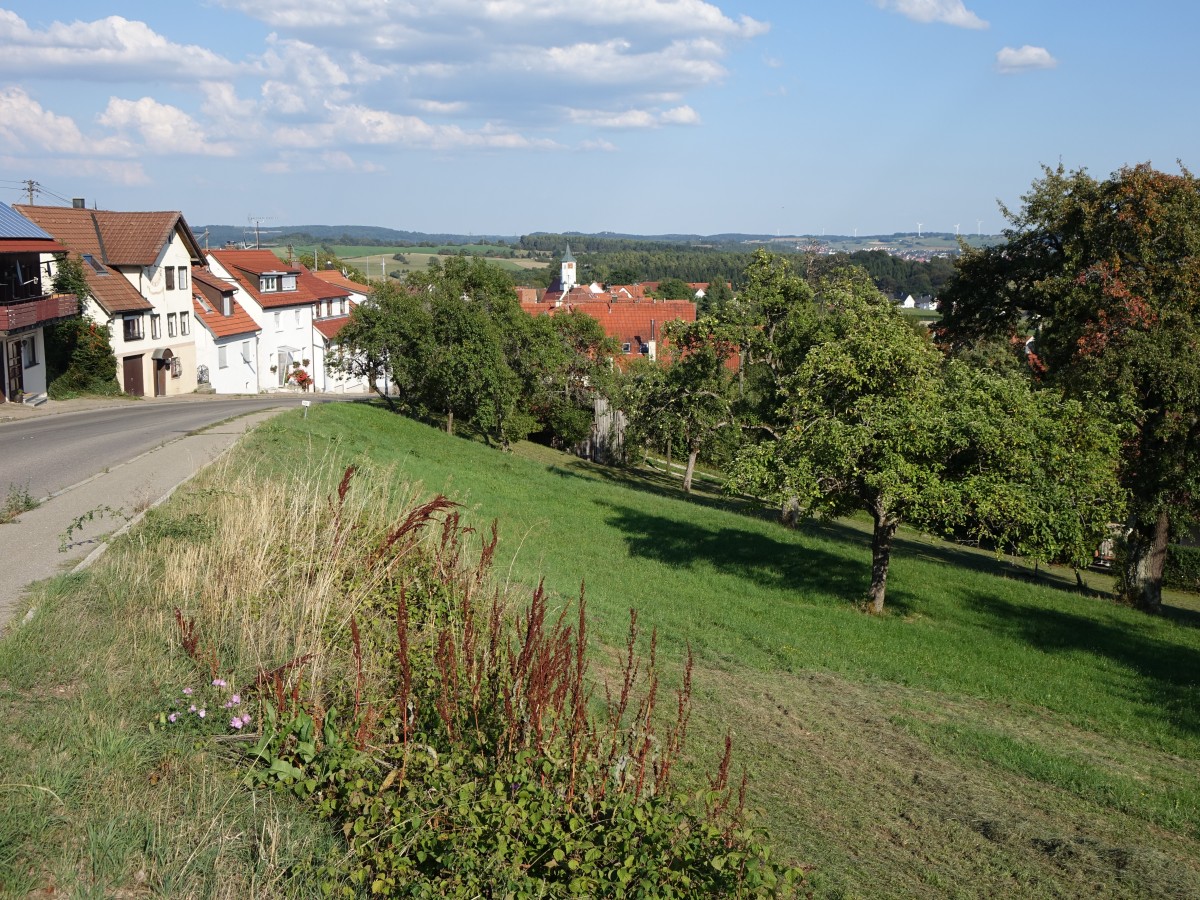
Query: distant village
<point>182,318</point>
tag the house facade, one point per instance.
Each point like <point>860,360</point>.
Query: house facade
<point>226,337</point>
<point>138,269</point>
<point>286,300</point>
<point>27,306</point>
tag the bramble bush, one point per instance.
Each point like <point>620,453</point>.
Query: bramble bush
<point>464,752</point>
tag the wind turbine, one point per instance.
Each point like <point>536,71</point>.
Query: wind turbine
<point>919,229</point>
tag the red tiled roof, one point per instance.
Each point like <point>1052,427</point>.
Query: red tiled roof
<point>246,265</point>
<point>320,288</point>
<point>331,327</point>
<point>336,278</point>
<point>112,239</point>
<point>207,300</point>
<point>123,238</point>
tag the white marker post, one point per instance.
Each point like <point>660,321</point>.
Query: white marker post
<point>306,404</point>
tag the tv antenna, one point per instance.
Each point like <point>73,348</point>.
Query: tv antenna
<point>257,221</point>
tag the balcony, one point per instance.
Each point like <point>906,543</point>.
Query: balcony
<point>25,314</point>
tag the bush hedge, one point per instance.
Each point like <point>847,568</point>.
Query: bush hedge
<point>1182,570</point>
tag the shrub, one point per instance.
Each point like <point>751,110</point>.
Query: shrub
<point>1182,570</point>
<point>462,752</point>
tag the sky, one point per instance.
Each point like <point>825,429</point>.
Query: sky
<point>630,116</point>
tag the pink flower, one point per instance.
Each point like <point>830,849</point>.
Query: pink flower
<point>219,682</point>
<point>235,699</point>
<point>187,691</point>
<point>192,708</point>
<point>172,717</point>
<point>236,722</point>
<point>202,713</point>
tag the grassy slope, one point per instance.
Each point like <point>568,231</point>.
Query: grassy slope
<point>987,737</point>
<point>987,734</point>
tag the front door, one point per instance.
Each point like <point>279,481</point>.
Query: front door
<point>132,366</point>
<point>160,377</point>
<point>15,383</point>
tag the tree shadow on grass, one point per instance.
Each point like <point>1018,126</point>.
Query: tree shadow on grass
<point>782,565</point>
<point>1166,669</point>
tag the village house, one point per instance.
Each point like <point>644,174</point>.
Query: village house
<point>138,267</point>
<point>287,301</point>
<point>332,316</point>
<point>27,305</point>
<point>227,339</point>
<point>623,311</point>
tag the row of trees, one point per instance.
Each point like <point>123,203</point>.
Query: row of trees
<point>823,398</point>
<point>809,388</point>
<point>452,343</point>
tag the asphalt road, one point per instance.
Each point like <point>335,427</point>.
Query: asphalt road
<point>45,455</point>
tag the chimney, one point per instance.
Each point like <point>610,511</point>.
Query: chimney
<point>78,203</point>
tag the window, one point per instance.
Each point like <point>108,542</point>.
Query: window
<point>134,329</point>
<point>170,273</point>
<point>246,352</point>
<point>172,324</point>
<point>95,265</point>
<point>185,323</point>
<point>268,283</point>
<point>222,357</point>
<point>279,321</point>
<point>297,316</point>
<point>181,279</point>
<point>626,347</point>
<point>288,283</point>
<point>155,326</point>
<point>29,352</point>
<point>176,367</point>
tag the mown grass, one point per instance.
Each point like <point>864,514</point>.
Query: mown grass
<point>989,736</point>
<point>770,609</point>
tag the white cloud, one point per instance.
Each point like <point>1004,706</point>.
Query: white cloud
<point>948,12</point>
<point>1011,61</point>
<point>109,49</point>
<point>634,118</point>
<point>163,129</point>
<point>394,23</point>
<point>436,107</point>
<point>26,126</point>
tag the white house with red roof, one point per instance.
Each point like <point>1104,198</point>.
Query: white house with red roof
<point>296,312</point>
<point>137,266</point>
<point>226,337</point>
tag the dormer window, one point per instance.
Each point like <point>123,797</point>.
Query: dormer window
<point>274,282</point>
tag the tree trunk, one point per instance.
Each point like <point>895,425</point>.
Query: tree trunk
<point>668,457</point>
<point>881,557</point>
<point>690,470</point>
<point>1142,582</point>
<point>386,399</point>
<point>789,512</point>
<point>449,421</point>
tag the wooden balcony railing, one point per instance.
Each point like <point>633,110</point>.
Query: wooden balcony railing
<point>38,311</point>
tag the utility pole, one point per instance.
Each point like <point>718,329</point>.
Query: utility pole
<point>31,187</point>
<point>919,224</point>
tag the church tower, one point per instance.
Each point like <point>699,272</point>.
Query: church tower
<point>567,276</point>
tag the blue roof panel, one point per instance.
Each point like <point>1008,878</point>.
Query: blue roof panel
<point>15,225</point>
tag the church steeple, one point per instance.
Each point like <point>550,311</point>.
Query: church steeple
<point>567,276</point>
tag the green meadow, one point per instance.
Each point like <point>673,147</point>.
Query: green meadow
<point>998,732</point>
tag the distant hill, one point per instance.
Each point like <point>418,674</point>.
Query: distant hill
<point>356,235</point>
<point>544,241</point>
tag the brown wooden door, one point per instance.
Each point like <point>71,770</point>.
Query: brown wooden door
<point>160,377</point>
<point>16,374</point>
<point>133,376</point>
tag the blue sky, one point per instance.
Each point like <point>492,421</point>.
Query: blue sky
<point>642,116</point>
